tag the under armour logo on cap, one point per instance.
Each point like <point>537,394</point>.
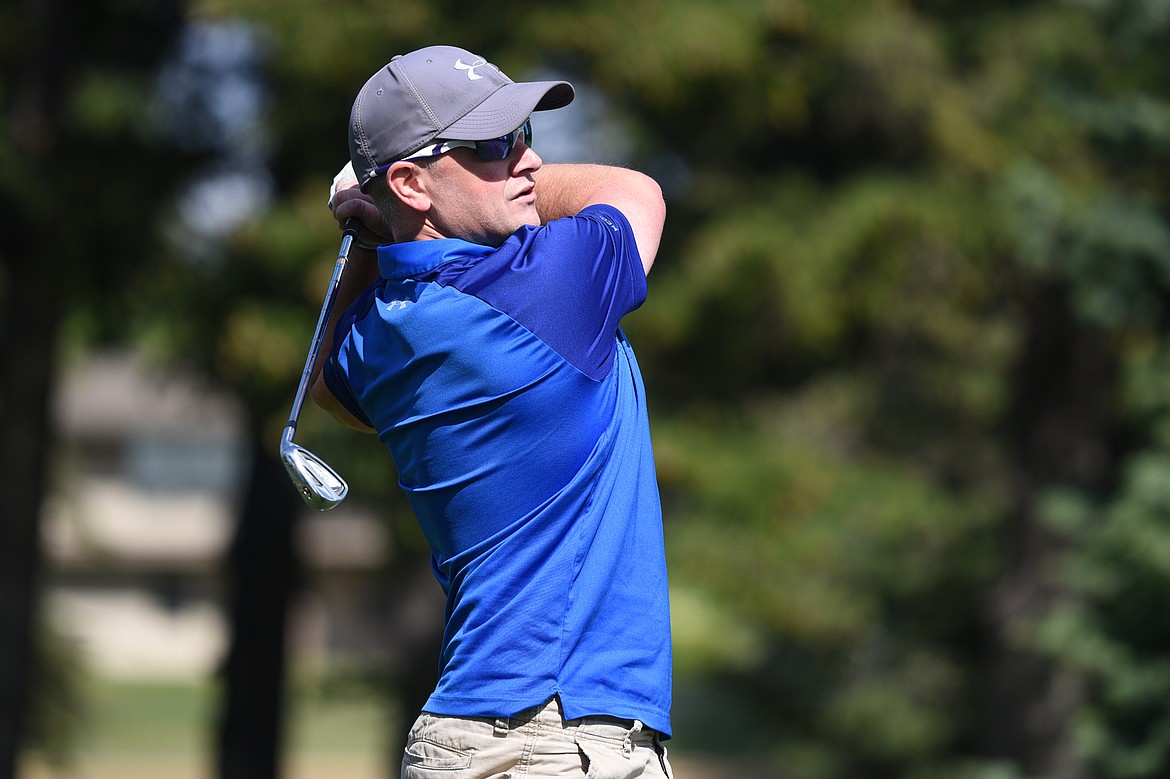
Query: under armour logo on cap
<point>471,74</point>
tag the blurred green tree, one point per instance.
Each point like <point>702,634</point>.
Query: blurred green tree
<point>82,183</point>
<point>905,348</point>
<point>911,285</point>
<point>918,265</point>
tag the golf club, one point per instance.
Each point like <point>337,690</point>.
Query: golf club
<point>320,486</point>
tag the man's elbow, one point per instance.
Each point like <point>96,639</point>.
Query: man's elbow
<point>648,219</point>
<point>329,403</point>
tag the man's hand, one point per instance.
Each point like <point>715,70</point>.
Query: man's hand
<point>347,200</point>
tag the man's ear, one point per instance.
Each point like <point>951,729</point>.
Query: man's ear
<point>408,183</point>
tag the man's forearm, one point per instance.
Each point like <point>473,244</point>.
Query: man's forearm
<point>360,271</point>
<point>563,190</point>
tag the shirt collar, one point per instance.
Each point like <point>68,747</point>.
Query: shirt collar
<point>403,260</point>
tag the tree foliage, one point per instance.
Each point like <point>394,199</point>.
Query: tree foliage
<point>904,343</point>
<point>904,346</point>
<point>74,225</point>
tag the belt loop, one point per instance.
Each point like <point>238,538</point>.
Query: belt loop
<point>628,747</point>
<point>501,728</point>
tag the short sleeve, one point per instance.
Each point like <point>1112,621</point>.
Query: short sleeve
<point>569,282</point>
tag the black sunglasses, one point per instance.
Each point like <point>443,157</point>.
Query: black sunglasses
<point>493,149</point>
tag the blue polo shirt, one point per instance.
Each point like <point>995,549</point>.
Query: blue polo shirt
<point>514,410</point>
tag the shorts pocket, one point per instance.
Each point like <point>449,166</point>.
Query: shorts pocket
<point>603,760</point>
<point>425,754</point>
<point>664,759</point>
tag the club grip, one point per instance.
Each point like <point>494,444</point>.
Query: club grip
<point>351,227</point>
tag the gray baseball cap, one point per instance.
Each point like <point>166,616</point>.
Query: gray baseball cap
<point>440,92</point>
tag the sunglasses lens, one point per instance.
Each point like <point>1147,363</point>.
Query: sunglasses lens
<point>496,148</point>
<point>499,148</point>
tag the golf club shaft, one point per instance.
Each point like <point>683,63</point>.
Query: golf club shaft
<point>350,231</point>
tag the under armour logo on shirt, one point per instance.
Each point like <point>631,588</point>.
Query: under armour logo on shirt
<point>471,74</point>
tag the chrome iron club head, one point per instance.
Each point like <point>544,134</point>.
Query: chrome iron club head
<point>320,486</point>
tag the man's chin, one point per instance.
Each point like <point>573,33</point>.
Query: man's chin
<point>531,217</point>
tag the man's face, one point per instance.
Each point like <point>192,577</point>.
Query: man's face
<point>484,201</point>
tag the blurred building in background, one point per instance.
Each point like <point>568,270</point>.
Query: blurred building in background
<point>140,516</point>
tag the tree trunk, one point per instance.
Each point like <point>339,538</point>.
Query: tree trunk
<point>1061,436</point>
<point>416,621</point>
<point>30,342</point>
<point>1029,699</point>
<point>264,572</point>
<point>29,347</point>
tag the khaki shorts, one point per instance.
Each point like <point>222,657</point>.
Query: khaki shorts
<point>538,743</point>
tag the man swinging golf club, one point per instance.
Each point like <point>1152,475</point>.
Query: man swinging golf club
<point>481,343</point>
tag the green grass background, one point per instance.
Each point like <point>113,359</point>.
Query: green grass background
<point>165,731</point>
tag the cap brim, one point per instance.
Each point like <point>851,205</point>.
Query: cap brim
<point>507,108</point>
